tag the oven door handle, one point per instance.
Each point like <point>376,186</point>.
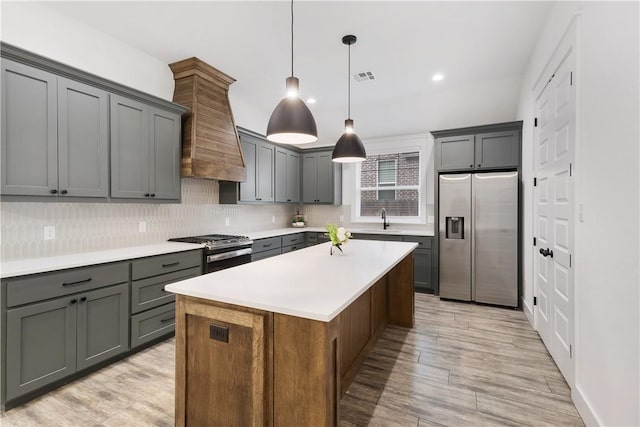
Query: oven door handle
<point>227,255</point>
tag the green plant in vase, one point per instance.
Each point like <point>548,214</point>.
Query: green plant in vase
<point>338,236</point>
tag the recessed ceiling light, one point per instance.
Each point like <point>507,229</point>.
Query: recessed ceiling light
<point>437,77</point>
<point>311,100</point>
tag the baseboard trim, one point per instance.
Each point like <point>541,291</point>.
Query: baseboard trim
<point>585,409</point>
<point>528,312</point>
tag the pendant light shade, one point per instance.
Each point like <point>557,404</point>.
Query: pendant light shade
<point>291,121</point>
<point>349,148</point>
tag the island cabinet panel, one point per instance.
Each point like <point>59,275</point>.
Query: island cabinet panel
<point>240,363</point>
<point>401,302</point>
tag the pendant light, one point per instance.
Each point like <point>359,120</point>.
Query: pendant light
<point>291,121</point>
<point>349,148</point>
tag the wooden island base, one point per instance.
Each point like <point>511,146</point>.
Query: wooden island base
<point>276,369</point>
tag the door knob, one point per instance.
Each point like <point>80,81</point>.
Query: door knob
<point>546,252</point>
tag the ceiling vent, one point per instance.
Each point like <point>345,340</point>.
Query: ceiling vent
<point>364,76</point>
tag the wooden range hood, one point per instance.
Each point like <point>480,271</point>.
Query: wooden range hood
<point>210,143</point>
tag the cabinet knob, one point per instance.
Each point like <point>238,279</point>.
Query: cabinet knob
<point>73,301</point>
<point>288,200</point>
<point>83,299</point>
<point>54,191</point>
<point>153,194</point>
<point>146,194</point>
<point>64,192</point>
<point>470,166</point>
<point>479,165</point>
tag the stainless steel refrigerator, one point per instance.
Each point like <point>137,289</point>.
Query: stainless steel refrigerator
<point>478,234</point>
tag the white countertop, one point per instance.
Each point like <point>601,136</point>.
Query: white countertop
<point>307,283</point>
<point>40,265</point>
<point>255,235</point>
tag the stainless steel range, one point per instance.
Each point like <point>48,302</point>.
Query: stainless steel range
<point>221,251</point>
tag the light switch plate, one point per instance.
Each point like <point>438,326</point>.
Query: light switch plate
<point>341,218</point>
<point>49,232</point>
<point>226,221</point>
<point>142,226</point>
<point>273,219</point>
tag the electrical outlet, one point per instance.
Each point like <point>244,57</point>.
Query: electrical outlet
<point>218,333</point>
<point>226,221</point>
<point>142,226</point>
<point>581,212</point>
<point>341,218</point>
<point>273,219</point>
<point>49,232</point>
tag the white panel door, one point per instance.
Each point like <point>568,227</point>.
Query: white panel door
<point>554,154</point>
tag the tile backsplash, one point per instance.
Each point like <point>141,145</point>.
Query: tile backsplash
<point>81,227</point>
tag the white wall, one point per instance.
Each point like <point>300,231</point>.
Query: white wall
<point>607,298</point>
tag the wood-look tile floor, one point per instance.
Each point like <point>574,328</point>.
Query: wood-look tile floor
<point>462,365</point>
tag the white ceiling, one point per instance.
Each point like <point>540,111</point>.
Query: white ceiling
<point>482,48</point>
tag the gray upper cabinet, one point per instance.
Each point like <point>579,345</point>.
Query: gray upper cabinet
<point>83,138</point>
<point>456,152</point>
<point>287,176</point>
<point>259,157</point>
<point>165,149</point>
<point>29,131</point>
<point>54,135</point>
<point>497,150</point>
<point>59,125</point>
<point>321,179</point>
<point>479,148</point>
<point>145,151</point>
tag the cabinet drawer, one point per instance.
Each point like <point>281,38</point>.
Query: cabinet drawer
<point>152,324</point>
<point>51,285</point>
<point>265,254</point>
<point>161,264</point>
<point>312,238</point>
<point>286,249</point>
<point>424,242</point>
<point>149,293</point>
<point>269,244</point>
<point>293,239</point>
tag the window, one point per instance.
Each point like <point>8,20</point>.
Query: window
<point>391,181</point>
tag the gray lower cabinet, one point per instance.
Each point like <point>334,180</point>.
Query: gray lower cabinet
<point>50,340</point>
<point>145,151</point>
<point>321,179</point>
<point>266,248</point>
<point>41,344</point>
<point>152,308</point>
<point>293,242</point>
<point>422,257</point>
<point>54,135</point>
<point>287,173</point>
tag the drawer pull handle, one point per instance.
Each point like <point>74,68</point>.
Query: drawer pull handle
<point>168,319</point>
<point>79,282</point>
<point>172,264</point>
<point>83,299</point>
<point>73,301</point>
<point>267,246</point>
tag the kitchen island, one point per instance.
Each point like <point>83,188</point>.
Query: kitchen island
<point>278,341</point>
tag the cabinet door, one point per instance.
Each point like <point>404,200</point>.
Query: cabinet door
<point>250,152</point>
<point>29,131</point>
<point>83,114</point>
<point>266,158</point>
<point>325,178</point>
<point>293,177</point>
<point>455,152</point>
<point>422,270</point>
<point>103,324</point>
<point>165,152</point>
<point>498,150</point>
<point>129,148</point>
<point>282,158</point>
<point>41,344</point>
<point>309,178</point>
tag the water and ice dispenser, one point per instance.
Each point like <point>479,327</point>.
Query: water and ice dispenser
<point>455,227</point>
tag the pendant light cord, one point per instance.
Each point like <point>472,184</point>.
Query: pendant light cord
<point>349,84</point>
<point>291,38</point>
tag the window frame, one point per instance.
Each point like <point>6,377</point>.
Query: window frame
<point>395,146</point>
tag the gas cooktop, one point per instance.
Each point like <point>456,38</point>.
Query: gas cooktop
<point>216,241</point>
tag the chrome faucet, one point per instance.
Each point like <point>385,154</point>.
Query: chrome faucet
<point>385,224</point>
